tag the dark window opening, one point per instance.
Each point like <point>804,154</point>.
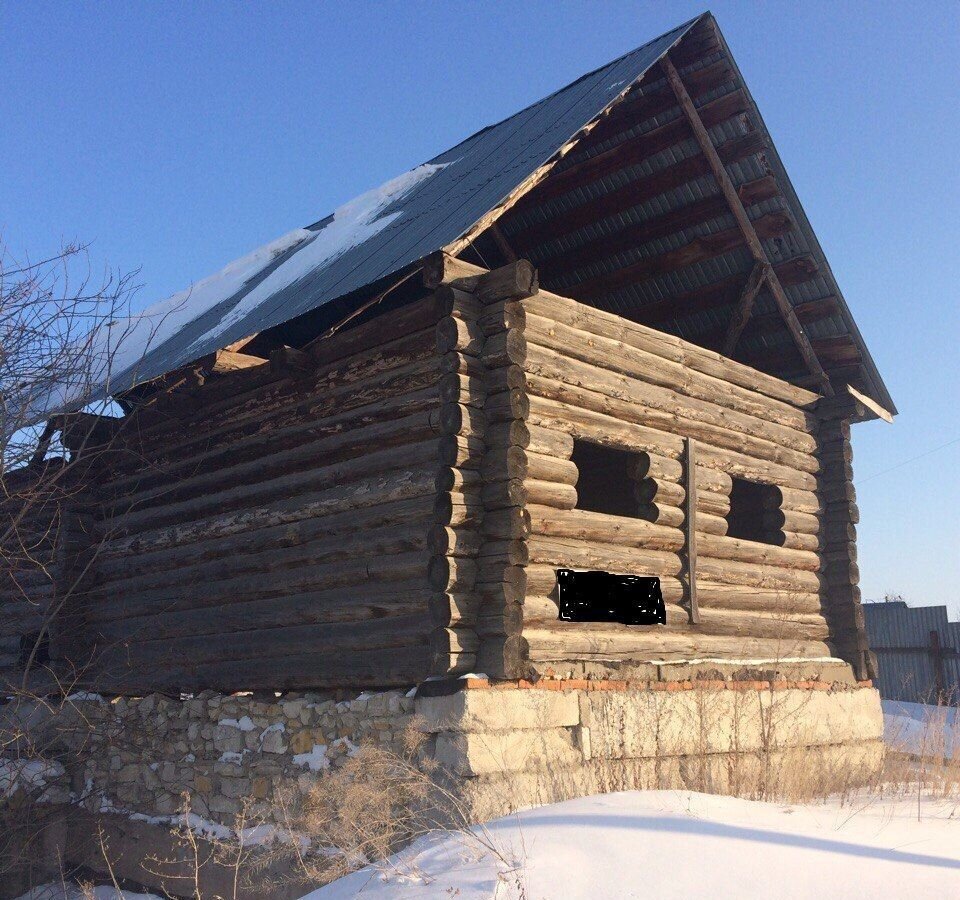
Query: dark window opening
<point>27,644</point>
<point>755,512</point>
<point>605,479</point>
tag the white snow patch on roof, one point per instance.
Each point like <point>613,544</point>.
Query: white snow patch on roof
<point>353,224</point>
<point>117,348</point>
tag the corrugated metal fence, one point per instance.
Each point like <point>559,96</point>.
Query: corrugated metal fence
<point>918,651</point>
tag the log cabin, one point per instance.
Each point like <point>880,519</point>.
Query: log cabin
<point>600,334</point>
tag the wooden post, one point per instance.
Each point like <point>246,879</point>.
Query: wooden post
<point>690,524</point>
<point>745,225</point>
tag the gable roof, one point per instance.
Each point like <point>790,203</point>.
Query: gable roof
<point>443,204</point>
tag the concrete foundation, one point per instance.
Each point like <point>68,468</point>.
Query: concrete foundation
<point>505,747</point>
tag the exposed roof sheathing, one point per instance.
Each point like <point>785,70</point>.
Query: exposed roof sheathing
<point>667,259</point>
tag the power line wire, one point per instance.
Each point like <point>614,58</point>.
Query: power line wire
<point>906,462</point>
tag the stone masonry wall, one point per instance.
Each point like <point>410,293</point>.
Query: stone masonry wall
<point>227,752</point>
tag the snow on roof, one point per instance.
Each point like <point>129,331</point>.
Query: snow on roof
<point>371,238</point>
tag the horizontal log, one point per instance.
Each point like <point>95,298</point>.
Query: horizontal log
<point>459,479</point>
<point>452,573</point>
<point>377,491</point>
<point>727,571</point>
<point>334,450</point>
<point>553,442</point>
<point>407,389</point>
<point>398,666</point>
<point>247,495</point>
<point>723,547</point>
<point>509,553</point>
<point>798,541</point>
<point>253,615</point>
<point>576,554</point>
<point>515,280</point>
<point>444,540</point>
<point>788,520</point>
<point>516,492</point>
<point>456,418</point>
<point>455,362</point>
<point>518,462</point>
<point>732,596</point>
<point>442,268</point>
<point>794,500</point>
<point>446,642</point>
<point>650,490</point>
<point>185,652</point>
<point>581,640</point>
<point>625,373</point>
<point>505,406</point>
<point>282,562</point>
<point>454,609</point>
<point>793,400</point>
<point>454,333</point>
<point>455,387</point>
<point>381,577</point>
<point>671,423</point>
<point>590,526</point>
<point>454,508</point>
<point>460,451</point>
<point>611,431</point>
<point>652,465</point>
<point>506,378</point>
<point>506,524</point>
<point>502,315</point>
<point>504,349</point>
<point>452,301</point>
<point>146,555</point>
<point>249,412</point>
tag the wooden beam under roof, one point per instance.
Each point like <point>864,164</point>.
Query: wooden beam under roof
<point>698,250</point>
<point>655,227</point>
<point>644,104</point>
<point>741,312</point>
<point>746,226</point>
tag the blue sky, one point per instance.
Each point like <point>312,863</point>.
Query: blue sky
<point>179,136</point>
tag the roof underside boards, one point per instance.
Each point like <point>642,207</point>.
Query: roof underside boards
<point>633,221</point>
<point>464,184</point>
<point>630,220</point>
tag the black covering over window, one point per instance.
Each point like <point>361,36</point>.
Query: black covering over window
<point>754,512</point>
<point>605,480</point>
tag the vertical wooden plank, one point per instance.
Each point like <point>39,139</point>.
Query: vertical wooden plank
<point>690,523</point>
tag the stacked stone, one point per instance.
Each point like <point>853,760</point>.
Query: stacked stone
<point>228,753</point>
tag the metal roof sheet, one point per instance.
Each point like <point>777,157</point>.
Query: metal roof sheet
<point>476,176</point>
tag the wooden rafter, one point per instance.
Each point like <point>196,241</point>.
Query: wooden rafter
<point>746,226</point>
<point>502,243</point>
<point>744,307</point>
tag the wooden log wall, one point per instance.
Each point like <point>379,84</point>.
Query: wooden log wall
<point>840,514</point>
<point>279,526</point>
<point>594,376</point>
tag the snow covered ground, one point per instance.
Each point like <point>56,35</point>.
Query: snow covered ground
<point>668,844</point>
